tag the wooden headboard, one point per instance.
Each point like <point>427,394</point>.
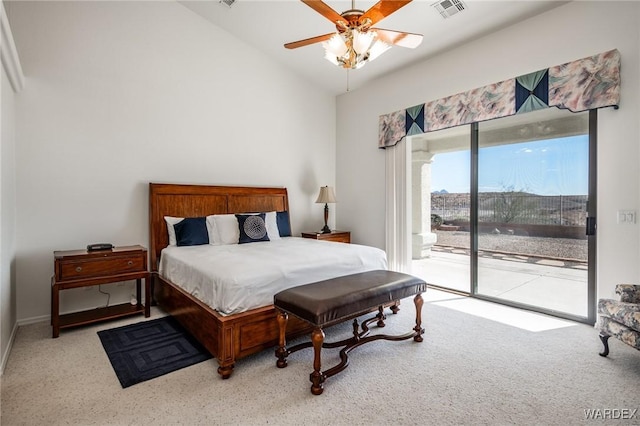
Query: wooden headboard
<point>202,200</point>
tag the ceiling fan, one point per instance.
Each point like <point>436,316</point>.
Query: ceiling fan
<point>356,42</point>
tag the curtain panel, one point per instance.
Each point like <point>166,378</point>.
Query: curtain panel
<point>398,208</point>
<point>588,83</point>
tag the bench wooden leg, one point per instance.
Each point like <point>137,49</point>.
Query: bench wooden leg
<point>317,338</point>
<point>281,352</point>
<point>395,307</point>
<point>381,317</point>
<point>418,329</point>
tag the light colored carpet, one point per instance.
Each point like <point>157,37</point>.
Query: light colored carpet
<point>469,370</point>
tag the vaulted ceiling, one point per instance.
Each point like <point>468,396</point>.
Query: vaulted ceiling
<point>267,25</point>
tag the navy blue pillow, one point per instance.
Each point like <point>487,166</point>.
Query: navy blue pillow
<point>191,231</point>
<point>284,226</point>
<point>252,228</point>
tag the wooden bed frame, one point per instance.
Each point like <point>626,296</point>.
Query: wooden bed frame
<point>232,337</point>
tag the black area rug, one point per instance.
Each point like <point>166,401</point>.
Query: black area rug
<point>149,349</point>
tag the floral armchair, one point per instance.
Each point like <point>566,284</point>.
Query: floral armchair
<point>620,319</point>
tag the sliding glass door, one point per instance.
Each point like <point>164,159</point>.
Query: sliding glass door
<point>500,210</point>
<point>441,208</point>
<point>533,191</point>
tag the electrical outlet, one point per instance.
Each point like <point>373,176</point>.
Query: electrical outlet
<point>626,217</point>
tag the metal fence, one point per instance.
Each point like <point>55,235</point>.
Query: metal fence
<point>513,207</point>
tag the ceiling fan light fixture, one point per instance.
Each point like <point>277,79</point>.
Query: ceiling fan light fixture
<point>378,48</point>
<point>352,49</point>
<point>335,46</point>
<point>332,58</point>
<point>362,41</point>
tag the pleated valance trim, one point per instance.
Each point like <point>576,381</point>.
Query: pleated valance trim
<point>588,83</point>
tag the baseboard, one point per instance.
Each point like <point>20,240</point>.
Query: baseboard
<point>33,320</point>
<point>5,355</point>
<point>19,323</point>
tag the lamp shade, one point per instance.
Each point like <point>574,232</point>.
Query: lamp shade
<point>362,41</point>
<point>377,49</point>
<point>326,195</point>
<point>335,46</point>
<point>352,47</point>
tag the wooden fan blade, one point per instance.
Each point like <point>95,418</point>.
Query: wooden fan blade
<point>324,10</point>
<point>308,41</point>
<point>399,38</point>
<point>382,9</point>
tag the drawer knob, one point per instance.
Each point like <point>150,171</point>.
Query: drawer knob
<point>130,262</point>
<point>79,269</point>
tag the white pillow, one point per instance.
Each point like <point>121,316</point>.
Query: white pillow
<point>172,231</point>
<point>271,220</point>
<point>225,228</point>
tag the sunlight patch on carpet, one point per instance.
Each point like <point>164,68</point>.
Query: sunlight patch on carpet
<point>520,318</point>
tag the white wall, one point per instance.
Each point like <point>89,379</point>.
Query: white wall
<point>7,220</point>
<point>119,94</point>
<point>8,86</point>
<point>567,33</point>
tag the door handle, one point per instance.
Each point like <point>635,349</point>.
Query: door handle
<point>591,226</point>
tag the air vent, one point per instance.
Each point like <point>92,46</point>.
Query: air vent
<point>228,2</point>
<point>448,8</point>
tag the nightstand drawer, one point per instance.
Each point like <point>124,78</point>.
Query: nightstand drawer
<point>336,236</point>
<point>340,238</point>
<point>71,270</point>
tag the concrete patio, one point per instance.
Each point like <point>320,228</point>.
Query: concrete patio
<point>549,284</point>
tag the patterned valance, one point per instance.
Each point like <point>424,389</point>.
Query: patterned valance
<point>588,83</point>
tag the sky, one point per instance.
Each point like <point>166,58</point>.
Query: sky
<point>546,167</point>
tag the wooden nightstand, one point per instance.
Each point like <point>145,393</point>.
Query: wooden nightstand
<point>338,236</point>
<point>82,268</point>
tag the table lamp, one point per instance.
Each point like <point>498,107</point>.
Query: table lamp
<point>326,196</point>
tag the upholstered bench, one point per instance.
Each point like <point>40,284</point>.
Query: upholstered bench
<point>332,301</point>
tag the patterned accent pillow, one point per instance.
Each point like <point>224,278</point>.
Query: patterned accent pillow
<point>252,228</point>
<point>191,231</point>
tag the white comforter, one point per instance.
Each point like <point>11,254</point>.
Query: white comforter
<point>238,277</point>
